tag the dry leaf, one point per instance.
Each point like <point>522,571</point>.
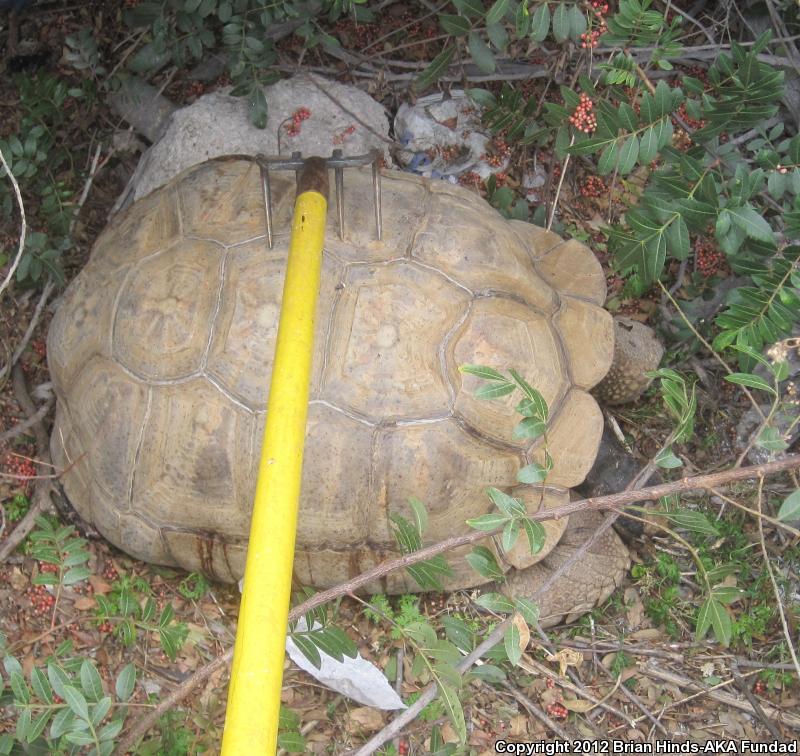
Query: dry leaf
<point>18,579</point>
<point>649,633</point>
<point>84,603</point>
<point>578,705</point>
<point>99,585</point>
<point>519,726</point>
<point>365,718</point>
<point>566,658</point>
<point>524,630</point>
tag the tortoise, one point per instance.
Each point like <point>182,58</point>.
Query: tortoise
<point>160,354</point>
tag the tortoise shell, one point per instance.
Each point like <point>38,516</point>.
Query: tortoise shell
<point>161,354</point>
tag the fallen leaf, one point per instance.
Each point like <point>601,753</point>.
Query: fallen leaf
<point>581,706</point>
<point>648,633</point>
<point>524,631</point>
<point>365,718</point>
<point>566,658</point>
<point>519,726</point>
<point>99,585</point>
<point>18,579</point>
<point>84,603</point>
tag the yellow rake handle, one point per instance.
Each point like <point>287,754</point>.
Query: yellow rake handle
<point>251,724</point>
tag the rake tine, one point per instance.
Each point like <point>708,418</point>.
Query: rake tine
<point>339,176</point>
<point>265,189</point>
<point>376,187</point>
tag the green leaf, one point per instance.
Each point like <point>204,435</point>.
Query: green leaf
<point>532,473</point>
<point>437,67</point>
<point>455,25</point>
<point>292,742</point>
<point>22,694</point>
<point>497,12</point>
<point>511,642</point>
<point>695,522</point>
<point>561,23</point>
<point>480,52</point>
<point>678,239</point>
<point>454,711</point>
<point>76,575</point>
<point>76,702</point>
<point>608,159</point>
<point>790,509</point>
<point>752,223</point>
<point>712,614</point>
<point>577,22</point>
<point>529,610</point>
<point>41,685</point>
<point>482,371</point>
<point>529,427</point>
<point>458,633</point>
<point>483,561</point>
<point>508,505</point>
<point>37,726</point>
<point>110,730</point>
<point>540,22</point>
<point>126,680</point>
<point>628,155</point>
<point>495,602</point>
<point>23,725</point>
<point>535,532</point>
<point>489,673</point>
<point>58,679</point>
<point>90,681</point>
<point>667,460</point>
<point>493,390</point>
<point>308,649</point>
<point>487,522</point>
<point>99,710</point>
<point>62,722</point>
<point>510,534</point>
<point>420,514</point>
<point>751,381</point>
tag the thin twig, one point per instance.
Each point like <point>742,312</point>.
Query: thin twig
<point>41,490</point>
<point>23,225</point>
<point>768,564</point>
<point>23,425</point>
<point>535,711</point>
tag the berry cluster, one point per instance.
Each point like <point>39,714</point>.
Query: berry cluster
<point>41,599</point>
<point>105,627</point>
<point>593,186</point>
<point>449,152</point>
<point>293,126</point>
<point>759,687</point>
<point>40,347</point>
<point>708,257</point>
<point>583,119</point>
<point>20,467</point>
<point>693,122</point>
<point>342,136</point>
<point>557,710</point>
<point>470,178</point>
<point>193,90</point>
<point>110,571</point>
<point>590,38</point>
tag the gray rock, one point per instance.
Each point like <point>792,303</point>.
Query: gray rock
<point>218,124</point>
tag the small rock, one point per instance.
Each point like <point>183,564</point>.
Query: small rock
<point>637,350</point>
<point>218,124</point>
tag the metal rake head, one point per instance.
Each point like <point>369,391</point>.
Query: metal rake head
<point>338,162</point>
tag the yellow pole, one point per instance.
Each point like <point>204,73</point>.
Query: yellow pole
<point>251,723</point>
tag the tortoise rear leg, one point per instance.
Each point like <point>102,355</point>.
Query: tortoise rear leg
<point>585,584</point>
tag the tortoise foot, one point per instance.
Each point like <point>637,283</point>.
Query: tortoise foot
<point>585,584</point>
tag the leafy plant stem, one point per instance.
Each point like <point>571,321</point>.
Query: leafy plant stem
<point>768,564</point>
<point>708,346</point>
